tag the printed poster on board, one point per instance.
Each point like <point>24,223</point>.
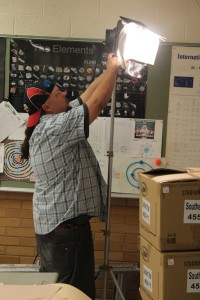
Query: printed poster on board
<point>183,139</point>
<point>73,65</point>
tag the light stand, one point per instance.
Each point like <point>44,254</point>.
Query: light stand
<point>118,35</point>
<point>106,267</point>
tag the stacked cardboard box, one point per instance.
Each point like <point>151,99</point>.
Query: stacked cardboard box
<point>170,235</point>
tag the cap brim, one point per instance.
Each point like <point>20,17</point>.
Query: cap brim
<point>34,118</point>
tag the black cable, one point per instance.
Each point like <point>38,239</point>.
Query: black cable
<point>35,258</point>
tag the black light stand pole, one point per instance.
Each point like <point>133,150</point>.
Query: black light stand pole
<point>106,267</point>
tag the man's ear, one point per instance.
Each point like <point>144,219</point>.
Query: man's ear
<point>46,108</point>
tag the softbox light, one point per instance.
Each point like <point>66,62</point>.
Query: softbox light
<point>134,44</point>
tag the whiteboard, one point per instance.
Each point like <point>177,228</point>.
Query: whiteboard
<point>136,147</point>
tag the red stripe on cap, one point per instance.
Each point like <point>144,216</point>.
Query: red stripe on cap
<point>34,118</point>
<point>35,91</point>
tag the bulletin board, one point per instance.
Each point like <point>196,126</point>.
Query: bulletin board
<point>154,105</point>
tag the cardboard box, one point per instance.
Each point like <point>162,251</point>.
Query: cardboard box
<point>170,209</point>
<point>168,275</point>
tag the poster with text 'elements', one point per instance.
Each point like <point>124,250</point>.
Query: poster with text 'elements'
<point>183,138</point>
<point>73,65</point>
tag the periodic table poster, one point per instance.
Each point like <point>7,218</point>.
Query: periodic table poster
<point>183,138</point>
<point>73,65</point>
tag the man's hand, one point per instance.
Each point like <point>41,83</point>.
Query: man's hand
<point>112,62</point>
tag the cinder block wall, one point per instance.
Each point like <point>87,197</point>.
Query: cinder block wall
<point>17,238</point>
<point>178,20</point>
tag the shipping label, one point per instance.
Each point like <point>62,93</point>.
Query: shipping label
<point>192,211</point>
<point>147,277</point>
<point>193,281</point>
<point>146,211</point>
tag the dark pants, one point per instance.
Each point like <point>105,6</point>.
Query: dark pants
<point>68,250</point>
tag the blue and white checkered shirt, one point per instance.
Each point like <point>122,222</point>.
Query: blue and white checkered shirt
<point>68,177</point>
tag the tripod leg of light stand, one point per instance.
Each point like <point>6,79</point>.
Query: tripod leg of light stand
<point>107,234</point>
<point>106,266</point>
<point>117,285</point>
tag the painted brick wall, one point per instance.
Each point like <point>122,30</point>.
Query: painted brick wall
<point>17,238</point>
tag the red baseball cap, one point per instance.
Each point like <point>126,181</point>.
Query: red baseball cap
<point>35,96</point>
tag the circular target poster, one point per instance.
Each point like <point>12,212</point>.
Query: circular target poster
<point>14,167</point>
<point>126,170</point>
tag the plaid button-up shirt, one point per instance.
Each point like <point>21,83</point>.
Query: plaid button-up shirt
<point>68,177</point>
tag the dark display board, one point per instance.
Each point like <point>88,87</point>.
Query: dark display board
<point>2,67</point>
<point>70,64</point>
<point>158,89</point>
<point>73,65</point>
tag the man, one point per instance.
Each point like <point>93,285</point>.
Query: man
<point>69,187</point>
